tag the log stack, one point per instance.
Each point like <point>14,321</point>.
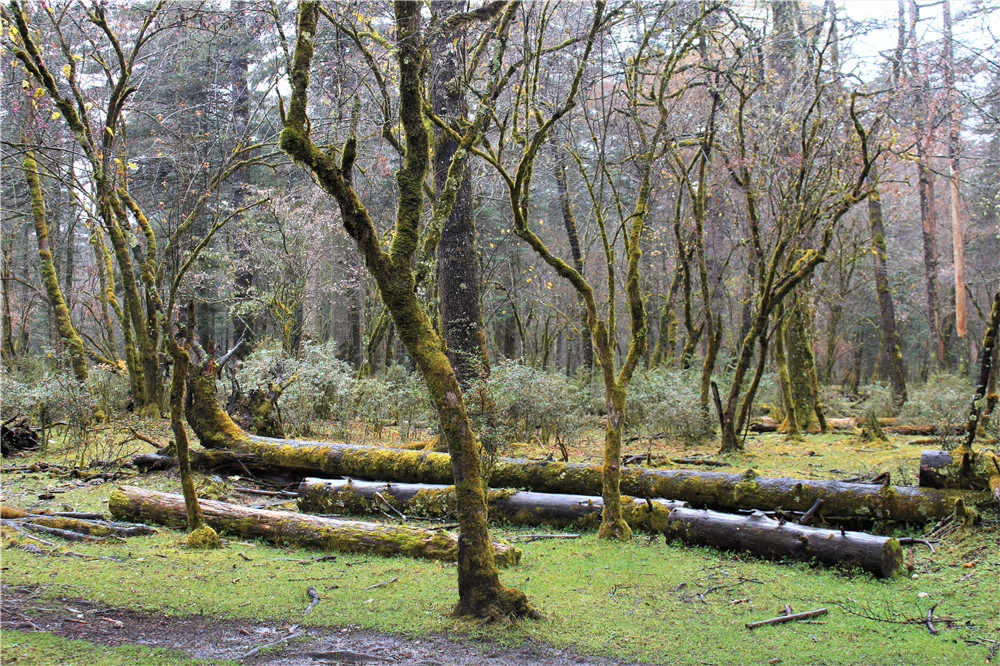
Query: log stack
<point>757,533</point>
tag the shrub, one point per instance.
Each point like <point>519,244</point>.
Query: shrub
<point>669,402</point>
<point>875,401</point>
<point>942,400</point>
<point>527,403</point>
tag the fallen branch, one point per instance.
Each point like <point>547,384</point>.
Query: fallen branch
<point>536,537</point>
<point>314,595</point>
<point>930,620</point>
<point>253,652</point>
<point>781,619</point>
<point>382,584</point>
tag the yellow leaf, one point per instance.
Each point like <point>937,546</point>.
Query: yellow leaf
<point>67,70</point>
<point>55,115</point>
<point>548,285</point>
<point>109,131</point>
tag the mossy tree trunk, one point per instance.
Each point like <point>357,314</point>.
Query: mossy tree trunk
<point>179,347</point>
<point>64,322</point>
<point>481,593</point>
<point>892,352</point>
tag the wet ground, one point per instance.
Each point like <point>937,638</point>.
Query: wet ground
<point>261,642</point>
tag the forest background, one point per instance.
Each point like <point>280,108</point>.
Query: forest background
<point>795,204</point>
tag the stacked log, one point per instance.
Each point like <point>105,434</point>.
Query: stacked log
<point>844,504</point>
<point>756,533</point>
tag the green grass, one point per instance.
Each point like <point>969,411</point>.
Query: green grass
<point>26,648</point>
<point>642,600</point>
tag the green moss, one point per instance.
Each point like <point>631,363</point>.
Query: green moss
<point>203,538</point>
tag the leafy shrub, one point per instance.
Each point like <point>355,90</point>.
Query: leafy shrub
<point>325,388</point>
<point>942,400</point>
<point>669,402</point>
<point>875,401</point>
<point>526,403</point>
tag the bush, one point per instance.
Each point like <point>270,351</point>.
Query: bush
<point>325,388</point>
<point>875,401</point>
<point>942,400</point>
<point>527,404</point>
<point>669,402</point>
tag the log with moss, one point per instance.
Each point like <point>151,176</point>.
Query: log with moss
<point>844,504</point>
<point>948,469</point>
<point>756,534</point>
<point>299,530</point>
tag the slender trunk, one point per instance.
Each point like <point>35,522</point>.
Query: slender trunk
<point>893,356</point>
<point>957,234</point>
<point>790,422</point>
<point>6,278</point>
<point>572,234</point>
<point>243,318</point>
<point>67,331</point>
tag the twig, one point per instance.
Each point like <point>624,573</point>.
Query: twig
<point>535,537</point>
<point>269,493</point>
<point>385,582</point>
<point>808,515</point>
<point>699,461</point>
<point>257,649</point>
<point>781,619</point>
<point>930,619</point>
<point>314,595</point>
<point>905,541</point>
<point>391,507</point>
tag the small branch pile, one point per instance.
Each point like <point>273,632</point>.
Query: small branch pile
<point>21,529</point>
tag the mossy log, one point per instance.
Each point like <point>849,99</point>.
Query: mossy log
<point>844,504</point>
<point>756,534</point>
<point>296,529</point>
<point>92,528</point>
<point>941,469</point>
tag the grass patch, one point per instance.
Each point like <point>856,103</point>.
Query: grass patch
<point>645,600</point>
<point>28,648</point>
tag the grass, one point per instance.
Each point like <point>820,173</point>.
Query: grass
<point>25,648</point>
<point>647,600</point>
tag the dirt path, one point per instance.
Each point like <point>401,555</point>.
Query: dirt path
<point>207,637</point>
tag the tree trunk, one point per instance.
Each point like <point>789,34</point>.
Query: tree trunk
<point>457,253</point>
<point>243,318</point>
<point>893,356</point>
<point>481,593</point>
<point>298,530</point>
<point>64,323</point>
<point>957,234</point>
<point>756,534</point>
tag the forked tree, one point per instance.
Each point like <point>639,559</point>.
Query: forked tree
<point>481,594</point>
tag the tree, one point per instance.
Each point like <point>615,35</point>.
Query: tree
<point>481,593</point>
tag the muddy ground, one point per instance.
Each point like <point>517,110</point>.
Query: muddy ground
<point>259,643</point>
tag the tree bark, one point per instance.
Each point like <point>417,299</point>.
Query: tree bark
<point>298,530</point>
<point>756,534</point>
<point>457,251</point>
<point>957,232</point>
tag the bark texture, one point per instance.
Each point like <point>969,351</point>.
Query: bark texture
<point>298,530</point>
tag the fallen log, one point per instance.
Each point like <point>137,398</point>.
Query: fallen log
<point>88,527</point>
<point>755,534</point>
<point>844,504</point>
<point>296,529</point>
<point>940,469</point>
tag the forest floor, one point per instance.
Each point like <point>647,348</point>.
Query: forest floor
<point>150,600</point>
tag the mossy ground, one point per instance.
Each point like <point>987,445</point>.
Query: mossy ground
<point>645,600</point>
